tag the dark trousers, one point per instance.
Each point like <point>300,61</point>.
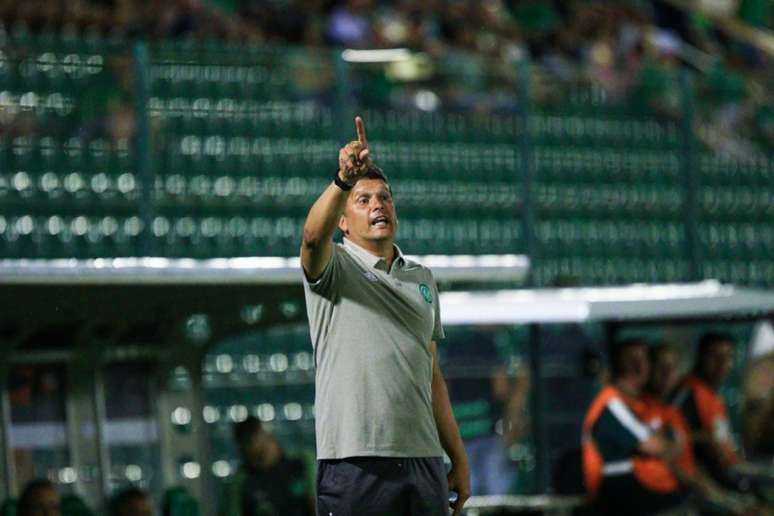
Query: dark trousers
<point>624,495</point>
<point>382,486</point>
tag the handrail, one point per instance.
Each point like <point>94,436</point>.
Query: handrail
<point>523,503</point>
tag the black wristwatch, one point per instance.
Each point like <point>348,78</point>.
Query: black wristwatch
<point>341,184</point>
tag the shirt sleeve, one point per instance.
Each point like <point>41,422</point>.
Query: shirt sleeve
<point>618,432</point>
<point>325,285</point>
<point>721,432</point>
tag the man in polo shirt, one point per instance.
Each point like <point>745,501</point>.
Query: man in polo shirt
<point>383,416</point>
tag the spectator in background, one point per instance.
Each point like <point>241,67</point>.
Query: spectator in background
<point>131,501</point>
<point>39,498</point>
<point>349,25</point>
<point>699,399</point>
<point>489,406</point>
<point>626,462</point>
<point>268,483</point>
<point>759,408</point>
<point>664,379</point>
<point>281,21</point>
<point>105,107</point>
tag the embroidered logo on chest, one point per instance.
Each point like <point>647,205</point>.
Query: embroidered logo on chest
<point>425,290</point>
<point>371,276</point>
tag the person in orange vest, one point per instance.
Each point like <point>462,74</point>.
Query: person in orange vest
<point>661,413</point>
<point>626,461</point>
<point>700,401</point>
<point>704,409</point>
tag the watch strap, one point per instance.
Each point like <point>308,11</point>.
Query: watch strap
<point>341,184</point>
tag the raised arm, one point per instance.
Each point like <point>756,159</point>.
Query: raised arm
<point>323,217</point>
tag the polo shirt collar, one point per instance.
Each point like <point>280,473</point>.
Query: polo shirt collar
<point>370,259</point>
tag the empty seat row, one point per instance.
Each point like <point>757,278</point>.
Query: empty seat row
<point>607,235</point>
<point>609,271</point>
<point>741,201</point>
<point>615,199</point>
<point>623,131</point>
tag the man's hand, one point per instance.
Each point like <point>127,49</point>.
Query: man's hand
<point>353,157</point>
<point>459,482</point>
<point>325,213</point>
<point>459,476</point>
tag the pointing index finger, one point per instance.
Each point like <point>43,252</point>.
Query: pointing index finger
<point>361,135</point>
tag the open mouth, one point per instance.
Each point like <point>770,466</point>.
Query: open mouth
<point>380,222</point>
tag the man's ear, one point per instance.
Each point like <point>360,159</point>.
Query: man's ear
<point>343,226</point>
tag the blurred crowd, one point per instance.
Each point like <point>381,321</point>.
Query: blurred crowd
<point>627,52</point>
<point>576,29</point>
<point>41,497</point>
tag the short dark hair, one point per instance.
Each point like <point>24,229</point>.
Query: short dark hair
<point>375,172</point>
<point>27,496</point>
<point>372,172</point>
<point>120,499</point>
<point>707,340</point>
<point>244,430</point>
<point>616,350</point>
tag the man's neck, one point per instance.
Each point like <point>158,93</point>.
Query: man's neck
<point>706,379</point>
<point>629,387</point>
<point>385,249</point>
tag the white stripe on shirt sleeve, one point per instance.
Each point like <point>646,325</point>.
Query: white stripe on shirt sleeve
<point>627,419</point>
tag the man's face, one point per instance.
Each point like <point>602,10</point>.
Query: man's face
<point>717,361</point>
<point>369,216</point>
<point>257,448</point>
<point>664,371</point>
<point>46,503</point>
<point>636,364</point>
<point>138,506</point>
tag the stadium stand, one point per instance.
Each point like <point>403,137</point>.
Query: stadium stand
<point>233,142</point>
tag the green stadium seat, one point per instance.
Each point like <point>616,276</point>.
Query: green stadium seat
<point>8,507</point>
<point>178,502</point>
<point>73,505</point>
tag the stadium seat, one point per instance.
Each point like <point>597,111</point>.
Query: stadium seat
<point>178,502</point>
<point>73,505</point>
<point>8,507</point>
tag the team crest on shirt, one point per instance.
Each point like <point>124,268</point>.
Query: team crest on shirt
<point>370,276</point>
<point>425,290</point>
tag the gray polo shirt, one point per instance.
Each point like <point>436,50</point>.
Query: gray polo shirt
<point>371,330</point>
